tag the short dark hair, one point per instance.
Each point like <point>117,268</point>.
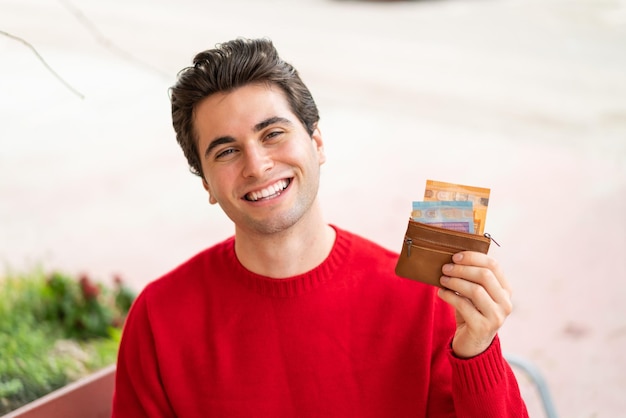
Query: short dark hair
<point>228,66</point>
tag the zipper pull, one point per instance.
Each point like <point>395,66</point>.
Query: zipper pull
<point>488,235</point>
<point>409,243</point>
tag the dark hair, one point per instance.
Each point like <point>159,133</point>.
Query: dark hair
<point>228,66</point>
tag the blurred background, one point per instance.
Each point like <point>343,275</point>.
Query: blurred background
<point>527,98</point>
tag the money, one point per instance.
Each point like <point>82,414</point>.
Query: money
<point>446,192</point>
<point>458,216</point>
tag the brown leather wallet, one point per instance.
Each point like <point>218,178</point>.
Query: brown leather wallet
<point>427,248</point>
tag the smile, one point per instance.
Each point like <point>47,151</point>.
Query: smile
<point>269,192</point>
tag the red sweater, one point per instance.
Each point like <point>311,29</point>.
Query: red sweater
<point>347,339</point>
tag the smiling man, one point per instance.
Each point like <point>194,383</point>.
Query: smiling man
<point>293,317</point>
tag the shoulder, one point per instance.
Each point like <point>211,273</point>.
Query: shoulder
<point>364,244</point>
<point>365,250</point>
<point>173,303</point>
<point>365,257</point>
<point>376,260</point>
<point>190,275</point>
<point>374,267</point>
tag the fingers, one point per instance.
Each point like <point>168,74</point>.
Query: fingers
<point>478,268</point>
<point>480,302</point>
<point>475,285</point>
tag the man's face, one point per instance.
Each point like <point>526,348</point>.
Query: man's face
<point>259,162</point>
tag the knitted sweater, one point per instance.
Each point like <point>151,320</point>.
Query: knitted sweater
<point>346,339</point>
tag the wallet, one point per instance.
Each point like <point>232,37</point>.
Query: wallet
<point>426,248</point>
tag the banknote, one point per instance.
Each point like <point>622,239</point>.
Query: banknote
<point>455,215</point>
<point>478,196</point>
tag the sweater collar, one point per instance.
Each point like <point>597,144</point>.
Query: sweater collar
<point>302,283</point>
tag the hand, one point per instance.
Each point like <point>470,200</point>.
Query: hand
<point>475,286</point>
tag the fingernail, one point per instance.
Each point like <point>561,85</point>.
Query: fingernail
<point>444,279</point>
<point>457,257</point>
<point>447,268</point>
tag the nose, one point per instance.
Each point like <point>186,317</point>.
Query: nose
<point>257,160</point>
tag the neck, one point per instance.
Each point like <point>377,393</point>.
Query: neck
<point>288,253</point>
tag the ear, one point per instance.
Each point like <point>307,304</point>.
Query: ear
<point>208,189</point>
<point>319,145</point>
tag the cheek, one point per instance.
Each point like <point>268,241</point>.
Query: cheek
<point>220,182</point>
<point>303,152</point>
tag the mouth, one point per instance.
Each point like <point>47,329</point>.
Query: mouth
<point>270,192</point>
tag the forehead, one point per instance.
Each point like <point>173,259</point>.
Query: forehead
<point>241,108</point>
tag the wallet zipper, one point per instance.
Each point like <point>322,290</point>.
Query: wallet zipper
<point>409,242</point>
<point>488,236</point>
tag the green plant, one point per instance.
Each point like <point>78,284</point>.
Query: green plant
<point>83,308</point>
<point>55,329</point>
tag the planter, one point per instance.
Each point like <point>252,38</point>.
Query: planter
<point>56,328</point>
<point>89,397</point>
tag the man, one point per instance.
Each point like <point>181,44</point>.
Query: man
<point>293,317</point>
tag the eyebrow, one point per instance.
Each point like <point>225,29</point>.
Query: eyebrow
<point>270,121</point>
<point>217,142</point>
<point>221,140</point>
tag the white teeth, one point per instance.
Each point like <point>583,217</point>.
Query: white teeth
<point>272,190</point>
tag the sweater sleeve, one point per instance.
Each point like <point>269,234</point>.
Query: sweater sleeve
<point>480,387</point>
<point>138,387</point>
<point>485,386</point>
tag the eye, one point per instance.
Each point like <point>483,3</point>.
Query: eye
<point>224,154</point>
<point>273,135</point>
